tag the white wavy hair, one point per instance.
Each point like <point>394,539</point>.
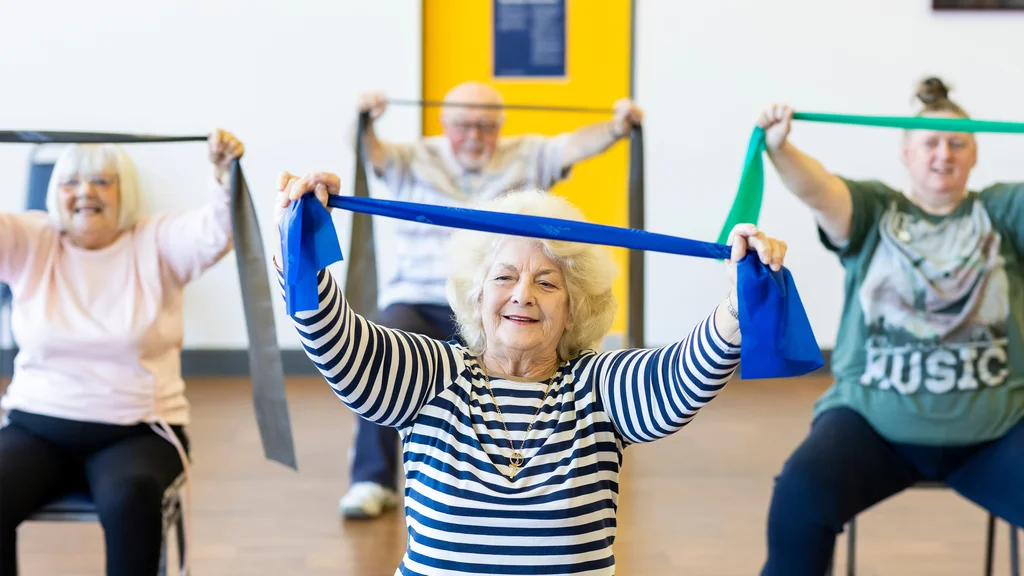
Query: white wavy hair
<point>588,270</point>
<point>88,160</point>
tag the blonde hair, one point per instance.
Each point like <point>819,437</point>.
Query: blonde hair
<point>88,160</point>
<point>588,270</point>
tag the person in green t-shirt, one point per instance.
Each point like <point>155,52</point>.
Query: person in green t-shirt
<point>928,363</point>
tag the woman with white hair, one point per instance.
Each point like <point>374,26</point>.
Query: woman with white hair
<point>97,401</point>
<point>513,442</point>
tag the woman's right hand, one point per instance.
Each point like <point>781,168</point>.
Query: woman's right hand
<point>776,122</point>
<point>374,103</point>
<point>290,187</point>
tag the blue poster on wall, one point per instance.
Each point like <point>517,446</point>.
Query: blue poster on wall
<point>529,38</point>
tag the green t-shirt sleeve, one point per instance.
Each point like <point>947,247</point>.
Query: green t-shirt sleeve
<point>1005,205</point>
<point>869,200</point>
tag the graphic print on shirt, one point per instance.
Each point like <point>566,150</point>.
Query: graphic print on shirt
<point>935,304</point>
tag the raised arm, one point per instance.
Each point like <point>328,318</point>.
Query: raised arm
<point>595,138</point>
<point>390,161</point>
<point>649,394</point>
<point>375,152</point>
<point>192,241</point>
<point>18,233</point>
<point>384,375</point>
<point>823,192</point>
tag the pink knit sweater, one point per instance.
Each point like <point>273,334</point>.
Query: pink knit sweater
<point>100,331</point>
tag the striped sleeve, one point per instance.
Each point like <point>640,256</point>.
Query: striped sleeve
<point>651,393</point>
<point>384,375</point>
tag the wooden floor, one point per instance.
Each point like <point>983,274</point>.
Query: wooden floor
<point>692,504</point>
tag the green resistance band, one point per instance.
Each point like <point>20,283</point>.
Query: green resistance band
<point>746,206</point>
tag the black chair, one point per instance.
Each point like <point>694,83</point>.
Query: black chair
<point>7,346</point>
<point>851,541</point>
<point>79,507</point>
<point>40,168</point>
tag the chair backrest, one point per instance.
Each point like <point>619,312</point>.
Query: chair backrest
<point>39,172</point>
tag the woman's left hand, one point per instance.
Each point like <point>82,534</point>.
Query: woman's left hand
<point>290,188</point>
<point>744,237</point>
<point>224,149</point>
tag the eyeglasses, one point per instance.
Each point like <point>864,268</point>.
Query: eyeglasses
<point>485,128</point>
<point>97,181</point>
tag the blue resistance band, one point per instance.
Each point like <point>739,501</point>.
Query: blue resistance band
<point>777,338</point>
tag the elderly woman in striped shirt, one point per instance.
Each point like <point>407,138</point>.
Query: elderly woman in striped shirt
<point>513,439</point>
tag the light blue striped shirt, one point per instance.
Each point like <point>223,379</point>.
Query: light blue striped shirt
<point>464,514</point>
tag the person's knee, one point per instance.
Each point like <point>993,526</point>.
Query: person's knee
<point>806,491</point>
<point>8,499</point>
<point>8,476</point>
<point>131,495</point>
<point>798,483</point>
<point>17,479</point>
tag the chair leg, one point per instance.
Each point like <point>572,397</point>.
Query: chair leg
<point>179,528</point>
<point>164,532</point>
<point>990,543</point>
<point>1014,551</point>
<point>851,547</point>
<point>162,570</point>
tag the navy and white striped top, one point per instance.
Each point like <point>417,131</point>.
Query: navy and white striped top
<point>464,514</point>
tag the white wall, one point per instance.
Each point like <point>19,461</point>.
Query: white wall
<point>283,76</point>
<point>706,69</point>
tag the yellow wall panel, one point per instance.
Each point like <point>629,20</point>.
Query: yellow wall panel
<point>457,47</point>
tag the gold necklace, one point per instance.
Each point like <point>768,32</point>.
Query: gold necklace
<point>516,459</point>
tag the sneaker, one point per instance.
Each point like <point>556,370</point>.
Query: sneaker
<point>367,500</point>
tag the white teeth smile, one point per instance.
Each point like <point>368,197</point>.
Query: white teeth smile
<point>942,170</point>
<point>520,318</point>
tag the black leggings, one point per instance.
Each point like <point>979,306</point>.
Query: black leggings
<point>125,468</point>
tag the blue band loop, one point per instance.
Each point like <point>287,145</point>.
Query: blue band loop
<point>777,338</point>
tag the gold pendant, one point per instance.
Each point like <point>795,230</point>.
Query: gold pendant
<point>516,459</point>
<point>515,462</point>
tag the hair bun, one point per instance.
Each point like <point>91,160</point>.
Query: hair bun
<point>932,90</point>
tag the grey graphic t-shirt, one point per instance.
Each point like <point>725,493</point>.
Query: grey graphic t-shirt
<point>929,347</point>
